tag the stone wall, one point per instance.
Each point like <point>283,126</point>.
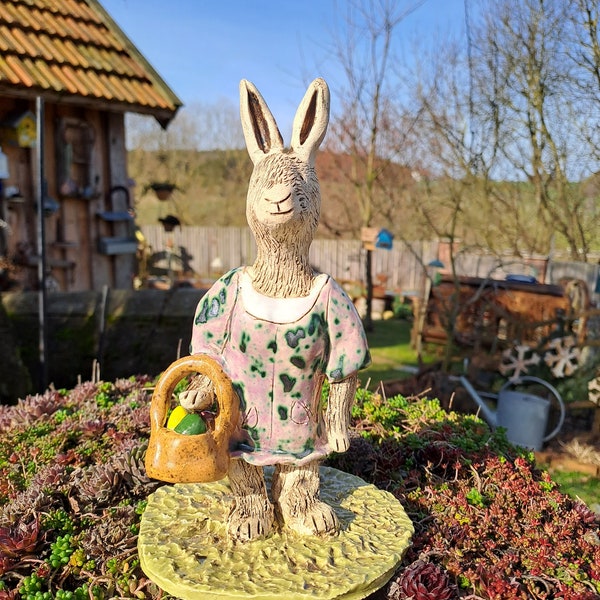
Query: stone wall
<point>15,380</point>
<point>126,332</point>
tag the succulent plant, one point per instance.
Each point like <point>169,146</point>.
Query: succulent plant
<point>133,385</point>
<point>6,564</point>
<point>110,533</point>
<point>83,393</point>
<point>131,467</point>
<point>422,581</point>
<point>33,409</point>
<point>25,506</point>
<point>8,594</point>
<point>88,428</point>
<point>496,524</point>
<point>360,459</point>
<point>19,540</point>
<point>42,495</point>
<point>97,484</point>
<point>53,476</point>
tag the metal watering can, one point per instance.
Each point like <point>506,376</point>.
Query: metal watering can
<point>524,416</point>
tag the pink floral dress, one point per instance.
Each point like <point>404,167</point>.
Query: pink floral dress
<point>277,352</point>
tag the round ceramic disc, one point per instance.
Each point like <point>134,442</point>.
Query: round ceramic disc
<point>184,547</point>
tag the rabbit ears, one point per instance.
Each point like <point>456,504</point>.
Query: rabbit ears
<point>262,134</point>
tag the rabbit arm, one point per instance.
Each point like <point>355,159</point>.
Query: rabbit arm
<point>338,412</point>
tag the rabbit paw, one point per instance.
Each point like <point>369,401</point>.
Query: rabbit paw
<point>317,518</point>
<point>339,441</point>
<point>199,395</point>
<point>295,491</point>
<point>251,517</point>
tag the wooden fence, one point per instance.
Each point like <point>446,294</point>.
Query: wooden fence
<point>206,251</point>
<point>209,251</point>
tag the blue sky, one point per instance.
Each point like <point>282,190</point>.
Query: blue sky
<point>202,48</point>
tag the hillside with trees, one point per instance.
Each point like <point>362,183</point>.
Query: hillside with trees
<point>211,190</point>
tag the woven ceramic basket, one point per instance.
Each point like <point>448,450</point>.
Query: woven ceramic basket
<point>179,458</point>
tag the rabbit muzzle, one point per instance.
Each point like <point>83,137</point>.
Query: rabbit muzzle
<point>277,205</point>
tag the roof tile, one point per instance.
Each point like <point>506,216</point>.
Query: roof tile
<point>20,70</point>
<point>37,74</point>
<point>99,87</point>
<point>63,81</point>
<point>6,72</point>
<point>47,75</point>
<point>26,42</point>
<point>6,13</point>
<point>47,48</point>
<point>74,47</point>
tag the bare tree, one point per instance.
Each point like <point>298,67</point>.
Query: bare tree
<point>523,87</point>
<point>200,153</point>
<point>361,130</point>
<point>195,127</point>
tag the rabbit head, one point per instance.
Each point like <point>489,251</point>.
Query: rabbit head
<point>284,201</point>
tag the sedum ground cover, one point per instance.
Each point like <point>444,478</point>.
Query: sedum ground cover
<point>488,522</point>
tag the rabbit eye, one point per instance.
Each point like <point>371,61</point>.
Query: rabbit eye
<point>303,202</point>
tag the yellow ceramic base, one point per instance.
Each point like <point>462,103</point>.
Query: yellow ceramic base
<point>184,548</point>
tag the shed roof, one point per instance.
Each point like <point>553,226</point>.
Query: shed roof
<point>73,51</point>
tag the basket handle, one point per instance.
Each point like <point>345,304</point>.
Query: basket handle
<point>227,418</point>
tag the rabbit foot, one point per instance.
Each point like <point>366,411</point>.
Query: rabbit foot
<point>295,493</point>
<point>317,518</point>
<point>251,517</point>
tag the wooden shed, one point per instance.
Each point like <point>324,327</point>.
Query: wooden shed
<point>68,75</point>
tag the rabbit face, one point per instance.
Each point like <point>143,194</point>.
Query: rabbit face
<point>283,194</point>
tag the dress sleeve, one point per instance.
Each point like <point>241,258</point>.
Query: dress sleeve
<point>349,351</point>
<point>211,320</point>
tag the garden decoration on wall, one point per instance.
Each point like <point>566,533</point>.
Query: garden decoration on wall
<point>275,353</point>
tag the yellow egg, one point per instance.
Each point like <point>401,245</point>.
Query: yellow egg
<point>175,417</point>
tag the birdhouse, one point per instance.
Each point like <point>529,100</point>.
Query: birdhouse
<point>368,237</point>
<point>20,130</point>
<point>385,239</point>
<point>372,238</point>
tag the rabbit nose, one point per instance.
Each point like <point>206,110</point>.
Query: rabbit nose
<point>279,200</point>
<point>278,203</point>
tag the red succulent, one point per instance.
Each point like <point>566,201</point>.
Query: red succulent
<point>18,540</point>
<point>5,565</point>
<point>423,581</point>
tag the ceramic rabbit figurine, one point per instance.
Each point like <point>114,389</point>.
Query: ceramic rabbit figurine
<point>278,329</point>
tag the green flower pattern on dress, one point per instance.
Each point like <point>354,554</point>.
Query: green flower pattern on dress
<point>277,353</point>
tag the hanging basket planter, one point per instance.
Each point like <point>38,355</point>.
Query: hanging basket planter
<point>170,222</point>
<point>163,190</point>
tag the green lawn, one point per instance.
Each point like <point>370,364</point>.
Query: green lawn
<point>578,485</point>
<point>391,352</point>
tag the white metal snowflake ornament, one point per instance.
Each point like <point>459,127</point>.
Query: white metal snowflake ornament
<point>562,356</point>
<point>516,361</point>
<point>594,390</point>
